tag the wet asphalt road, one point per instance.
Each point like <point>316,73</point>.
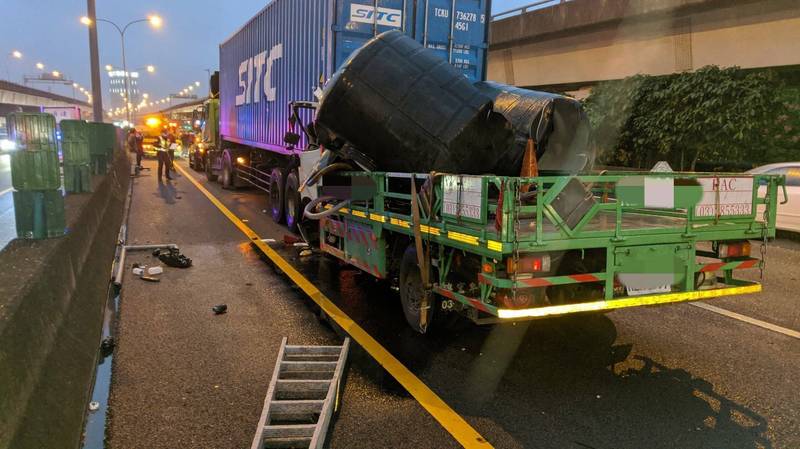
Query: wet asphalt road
<point>8,229</point>
<point>675,376</point>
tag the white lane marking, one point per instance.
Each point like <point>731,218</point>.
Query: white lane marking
<point>6,191</point>
<point>747,319</point>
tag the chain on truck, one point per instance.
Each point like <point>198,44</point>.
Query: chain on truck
<point>492,247</point>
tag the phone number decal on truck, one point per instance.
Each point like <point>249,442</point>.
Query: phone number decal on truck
<point>725,196</point>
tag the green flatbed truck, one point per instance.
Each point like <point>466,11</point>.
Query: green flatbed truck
<point>500,249</point>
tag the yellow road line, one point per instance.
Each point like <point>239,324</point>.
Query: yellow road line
<point>460,429</point>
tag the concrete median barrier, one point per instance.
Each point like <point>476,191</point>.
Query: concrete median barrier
<point>52,294</point>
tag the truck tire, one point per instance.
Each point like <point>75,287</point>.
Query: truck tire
<point>228,180</point>
<point>292,207</point>
<point>209,169</point>
<point>276,195</point>
<point>412,290</point>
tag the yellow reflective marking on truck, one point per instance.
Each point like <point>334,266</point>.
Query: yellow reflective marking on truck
<point>464,238</point>
<point>429,230</point>
<point>494,246</point>
<point>358,213</point>
<point>377,217</point>
<point>650,300</point>
<point>399,222</point>
<point>451,421</point>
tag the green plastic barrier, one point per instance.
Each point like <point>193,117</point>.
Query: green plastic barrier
<point>75,142</point>
<point>78,178</point>
<point>34,163</point>
<point>97,148</point>
<point>39,214</point>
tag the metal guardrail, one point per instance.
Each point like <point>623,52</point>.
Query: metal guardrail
<point>541,4</point>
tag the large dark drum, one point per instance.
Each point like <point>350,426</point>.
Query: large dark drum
<point>557,124</point>
<point>409,110</point>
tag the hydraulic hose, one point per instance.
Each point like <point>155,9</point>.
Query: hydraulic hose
<point>307,212</point>
<point>314,177</point>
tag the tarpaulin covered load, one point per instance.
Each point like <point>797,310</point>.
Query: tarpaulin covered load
<point>408,110</point>
<point>557,124</point>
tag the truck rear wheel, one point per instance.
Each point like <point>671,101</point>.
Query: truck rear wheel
<point>292,197</point>
<point>209,170</point>
<point>412,291</point>
<point>228,181</point>
<point>276,195</point>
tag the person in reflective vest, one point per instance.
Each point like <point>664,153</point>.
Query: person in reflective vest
<point>163,156</point>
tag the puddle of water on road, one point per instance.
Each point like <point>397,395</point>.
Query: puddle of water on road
<point>95,422</point>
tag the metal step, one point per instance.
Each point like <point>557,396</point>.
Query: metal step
<point>302,396</point>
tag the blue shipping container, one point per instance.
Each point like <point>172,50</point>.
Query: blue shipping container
<point>291,47</point>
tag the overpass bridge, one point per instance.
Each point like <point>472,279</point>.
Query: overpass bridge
<point>571,45</point>
<point>16,97</point>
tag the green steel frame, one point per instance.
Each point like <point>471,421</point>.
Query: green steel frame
<point>548,232</point>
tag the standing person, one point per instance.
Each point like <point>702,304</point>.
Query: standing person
<point>131,141</point>
<point>163,156</point>
<point>139,148</point>
<point>171,151</point>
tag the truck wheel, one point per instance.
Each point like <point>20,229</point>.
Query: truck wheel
<point>209,170</point>
<point>412,291</point>
<point>276,194</point>
<point>227,172</point>
<point>292,197</point>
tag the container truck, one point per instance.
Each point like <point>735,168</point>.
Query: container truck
<point>493,248</point>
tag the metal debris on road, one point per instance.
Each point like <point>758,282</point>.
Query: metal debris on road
<point>172,257</point>
<point>219,309</point>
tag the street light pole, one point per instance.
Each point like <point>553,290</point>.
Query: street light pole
<point>97,90</point>
<point>155,21</point>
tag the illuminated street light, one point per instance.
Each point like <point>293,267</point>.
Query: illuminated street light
<point>40,66</point>
<point>145,95</point>
<point>56,73</point>
<point>154,20</point>
<point>197,83</point>
<point>109,68</point>
<point>151,69</point>
<point>75,85</point>
<point>17,54</point>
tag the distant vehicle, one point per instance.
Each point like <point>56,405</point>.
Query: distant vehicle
<point>789,213</point>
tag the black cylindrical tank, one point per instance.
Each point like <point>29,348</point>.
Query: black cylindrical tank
<point>409,110</point>
<point>558,125</point>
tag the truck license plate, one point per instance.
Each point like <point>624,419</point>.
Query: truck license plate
<point>648,291</point>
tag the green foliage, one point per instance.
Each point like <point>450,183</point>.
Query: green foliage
<point>712,114</point>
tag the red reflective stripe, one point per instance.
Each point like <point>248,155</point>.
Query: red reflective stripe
<point>749,263</point>
<point>584,277</point>
<point>712,267</point>
<point>536,282</point>
<point>483,279</point>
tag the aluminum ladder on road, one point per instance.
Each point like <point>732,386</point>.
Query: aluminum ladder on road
<point>302,396</point>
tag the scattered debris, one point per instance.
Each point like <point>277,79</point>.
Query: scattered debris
<point>155,270</point>
<point>249,284</point>
<point>219,309</point>
<point>94,406</point>
<point>301,245</point>
<point>244,220</point>
<point>268,240</point>
<point>172,257</point>
<point>107,346</point>
<point>138,271</point>
<point>147,278</point>
<point>263,211</point>
<point>305,253</point>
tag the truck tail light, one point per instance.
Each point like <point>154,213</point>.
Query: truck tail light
<point>734,249</point>
<point>528,264</point>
